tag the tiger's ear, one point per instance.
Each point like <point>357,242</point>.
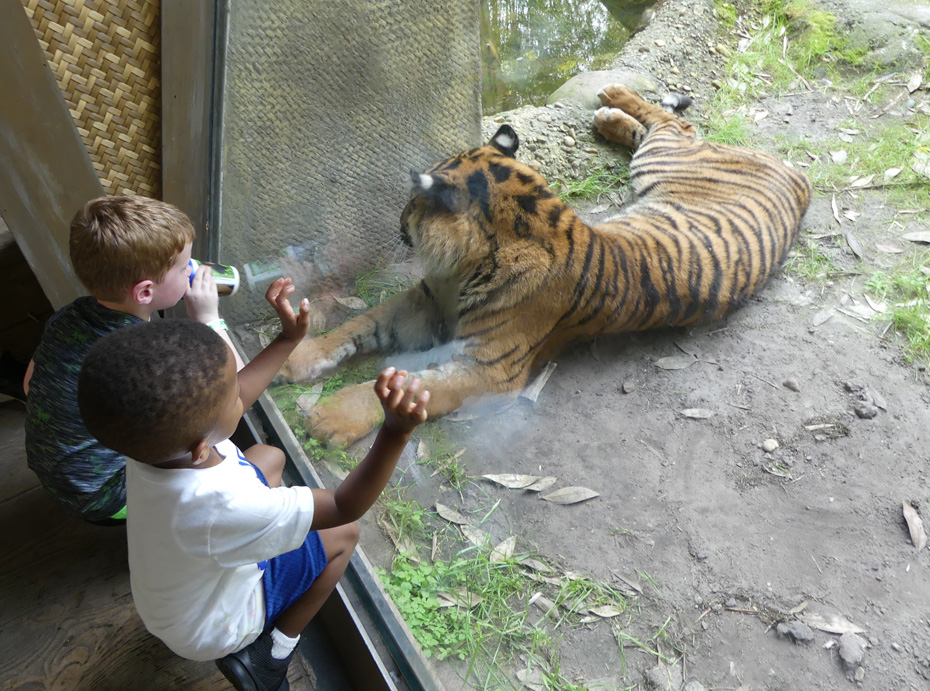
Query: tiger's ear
<point>506,141</point>
<point>436,189</point>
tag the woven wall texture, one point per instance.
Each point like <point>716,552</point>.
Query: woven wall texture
<point>105,56</point>
<point>328,107</point>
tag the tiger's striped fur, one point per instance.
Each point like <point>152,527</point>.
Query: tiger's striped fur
<point>514,275</point>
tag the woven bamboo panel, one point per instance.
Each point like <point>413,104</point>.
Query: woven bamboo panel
<point>106,58</point>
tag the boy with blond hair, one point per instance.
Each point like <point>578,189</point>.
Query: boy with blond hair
<point>225,563</point>
<point>132,254</point>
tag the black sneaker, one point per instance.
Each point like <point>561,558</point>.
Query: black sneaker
<point>253,668</point>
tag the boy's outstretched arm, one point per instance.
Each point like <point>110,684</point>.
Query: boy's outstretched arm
<point>257,375</point>
<point>404,409</point>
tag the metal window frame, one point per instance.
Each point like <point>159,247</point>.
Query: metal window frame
<point>378,650</point>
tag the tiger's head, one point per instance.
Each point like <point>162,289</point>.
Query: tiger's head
<point>481,207</point>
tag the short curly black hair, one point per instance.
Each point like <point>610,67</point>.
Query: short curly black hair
<point>151,390</point>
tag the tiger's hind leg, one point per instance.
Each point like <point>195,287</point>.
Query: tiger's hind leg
<point>647,115</point>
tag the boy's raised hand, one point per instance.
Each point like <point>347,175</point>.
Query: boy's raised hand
<point>403,408</point>
<point>201,299</point>
<point>294,326</point>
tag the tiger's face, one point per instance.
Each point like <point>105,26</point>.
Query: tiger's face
<point>466,208</point>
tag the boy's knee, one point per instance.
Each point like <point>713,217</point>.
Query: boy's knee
<point>276,457</point>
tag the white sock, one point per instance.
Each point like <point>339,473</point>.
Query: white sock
<point>281,645</point>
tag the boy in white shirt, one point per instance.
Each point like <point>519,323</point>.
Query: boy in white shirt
<point>224,562</point>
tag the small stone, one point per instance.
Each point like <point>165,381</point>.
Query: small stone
<point>866,411</point>
<point>796,631</point>
<point>852,649</point>
<point>769,445</point>
<point>853,386</point>
<point>792,384</point>
<point>722,50</point>
<point>860,674</point>
<point>660,42</point>
<point>568,141</point>
<point>628,386</point>
<point>545,118</point>
<point>694,686</point>
<point>897,648</point>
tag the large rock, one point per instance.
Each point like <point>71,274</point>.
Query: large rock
<point>581,90</point>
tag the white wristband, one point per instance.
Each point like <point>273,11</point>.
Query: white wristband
<point>218,325</point>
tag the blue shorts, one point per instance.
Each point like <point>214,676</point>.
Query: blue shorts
<point>288,576</point>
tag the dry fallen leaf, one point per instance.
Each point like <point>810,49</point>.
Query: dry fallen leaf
<point>891,173</point>
<point>888,249</point>
<point>541,484</point>
<point>352,303</point>
<point>536,565</point>
<point>914,82</point>
<point>836,211</point>
<point>839,157</point>
<point>879,307</point>
<point>605,611</point>
<point>473,535</point>
<point>915,526</point>
<point>862,181</point>
<point>512,481</point>
<point>919,236</point>
<point>532,391</point>
<point>697,413</point>
<point>571,495</point>
<point>822,316</point>
<point>675,362</point>
<point>532,680</point>
<point>422,450</point>
<point>460,597</point>
<point>831,623</point>
<point>451,515</point>
<point>854,245</point>
<point>504,551</point>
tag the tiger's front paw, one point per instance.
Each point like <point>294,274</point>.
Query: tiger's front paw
<point>346,416</point>
<point>308,361</point>
<point>618,96</point>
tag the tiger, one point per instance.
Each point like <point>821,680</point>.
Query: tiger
<point>512,276</point>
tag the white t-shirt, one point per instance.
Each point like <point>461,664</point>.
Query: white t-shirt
<point>196,537</point>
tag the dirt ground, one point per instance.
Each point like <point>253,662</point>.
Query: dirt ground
<point>717,539</point>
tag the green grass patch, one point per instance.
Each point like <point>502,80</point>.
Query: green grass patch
<point>443,453</point>
<point>810,262</point>
<point>906,289</point>
<point>378,285</point>
<point>603,180</point>
<point>787,44</point>
<point>473,606</point>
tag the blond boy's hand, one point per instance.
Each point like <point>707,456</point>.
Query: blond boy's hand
<point>201,299</point>
<point>294,326</point>
<point>403,408</point>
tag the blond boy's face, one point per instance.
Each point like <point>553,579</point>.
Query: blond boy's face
<point>174,285</point>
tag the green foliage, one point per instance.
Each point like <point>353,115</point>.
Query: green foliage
<point>727,14</point>
<point>810,262</point>
<point>473,606</point>
<point>601,181</point>
<point>378,285</point>
<point>907,287</point>
<point>731,129</point>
